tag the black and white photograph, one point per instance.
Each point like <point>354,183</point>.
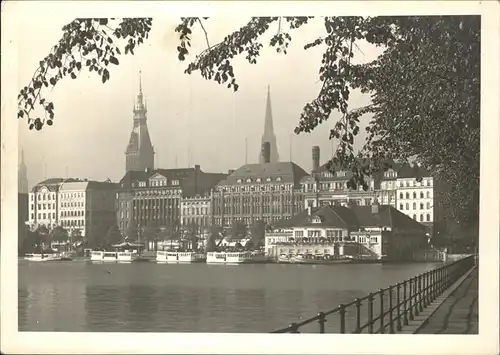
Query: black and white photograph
<point>199,177</point>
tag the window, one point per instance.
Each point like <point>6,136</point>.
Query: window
<point>414,205</point>
<point>415,217</point>
<point>428,217</point>
<point>428,205</point>
<point>421,206</point>
<point>421,218</point>
<point>414,194</point>
<point>407,206</point>
<point>268,179</point>
<point>401,206</point>
<point>258,179</point>
<point>428,194</point>
<point>278,178</point>
<point>407,195</point>
<point>175,182</point>
<point>401,195</point>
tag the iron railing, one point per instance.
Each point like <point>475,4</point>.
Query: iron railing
<point>388,309</point>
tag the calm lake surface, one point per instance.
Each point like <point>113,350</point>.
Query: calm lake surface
<point>148,297</point>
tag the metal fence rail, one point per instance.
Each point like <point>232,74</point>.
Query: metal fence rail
<point>389,309</point>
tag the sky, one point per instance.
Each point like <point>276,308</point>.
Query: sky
<point>93,121</point>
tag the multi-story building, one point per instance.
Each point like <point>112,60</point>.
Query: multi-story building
<point>197,210</point>
<point>22,217</point>
<point>328,186</point>
<point>139,154</point>
<point>267,192</point>
<point>87,207</point>
<point>43,203</point>
<point>375,232</point>
<point>153,197</point>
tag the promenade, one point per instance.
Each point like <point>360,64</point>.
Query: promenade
<point>458,314</point>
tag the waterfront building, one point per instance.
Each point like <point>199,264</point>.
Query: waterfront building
<point>197,210</point>
<point>139,154</point>
<point>267,192</point>
<point>87,208</point>
<point>375,231</point>
<point>43,203</point>
<point>152,198</point>
<point>22,176</point>
<point>268,135</point>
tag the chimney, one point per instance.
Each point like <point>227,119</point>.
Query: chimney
<point>315,158</point>
<point>266,152</point>
<point>375,207</point>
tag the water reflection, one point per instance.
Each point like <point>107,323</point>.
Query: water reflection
<point>187,298</point>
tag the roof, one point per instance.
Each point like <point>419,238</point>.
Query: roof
<point>288,172</point>
<point>81,185</point>
<point>193,181</point>
<point>353,217</point>
<point>404,170</point>
<point>51,184</point>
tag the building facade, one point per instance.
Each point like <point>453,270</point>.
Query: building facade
<point>43,204</point>
<point>139,154</point>
<point>152,198</point>
<point>87,208</point>
<point>267,192</point>
<point>371,232</point>
<point>22,177</point>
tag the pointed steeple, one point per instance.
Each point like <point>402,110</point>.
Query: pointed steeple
<point>269,135</point>
<point>22,177</point>
<point>139,153</point>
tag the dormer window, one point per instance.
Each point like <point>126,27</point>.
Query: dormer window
<point>259,180</point>
<point>142,183</point>
<point>268,179</point>
<point>238,181</point>
<point>175,182</point>
<point>278,178</point>
<point>249,180</point>
<point>316,219</point>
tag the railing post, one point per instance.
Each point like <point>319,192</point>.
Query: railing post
<point>322,321</point>
<point>294,328</point>
<point>391,319</point>
<point>370,313</point>
<point>398,309</point>
<point>342,318</point>
<point>421,307</point>
<point>358,316</point>
<point>405,303</point>
<point>410,298</point>
<point>381,293</point>
<point>425,286</point>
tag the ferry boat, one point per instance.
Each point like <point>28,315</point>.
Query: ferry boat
<point>320,259</point>
<point>239,257</point>
<point>284,258</point>
<point>42,257</point>
<point>180,257</point>
<point>99,255</point>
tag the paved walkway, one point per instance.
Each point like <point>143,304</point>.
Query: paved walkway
<point>459,312</point>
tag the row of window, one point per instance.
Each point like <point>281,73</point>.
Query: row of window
<point>268,179</point>
<point>71,195</point>
<point>251,188</point>
<point>44,206</point>
<point>72,213</point>
<point>155,183</point>
<point>195,211</point>
<point>427,217</point>
<point>428,195</point>
<point>73,223</point>
<point>414,206</point>
<point>44,196</point>
<point>44,216</point>
<point>71,204</point>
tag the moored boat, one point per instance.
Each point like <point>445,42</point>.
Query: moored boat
<point>284,258</point>
<point>42,257</point>
<point>216,257</point>
<point>321,259</point>
<point>110,256</point>
<point>237,257</point>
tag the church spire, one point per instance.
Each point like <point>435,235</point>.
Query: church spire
<point>22,177</point>
<point>140,82</point>
<point>269,135</point>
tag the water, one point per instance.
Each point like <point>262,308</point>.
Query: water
<point>148,297</point>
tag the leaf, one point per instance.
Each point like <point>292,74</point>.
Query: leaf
<point>114,60</point>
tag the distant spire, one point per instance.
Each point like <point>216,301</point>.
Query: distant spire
<point>269,135</point>
<point>140,81</point>
<point>22,156</point>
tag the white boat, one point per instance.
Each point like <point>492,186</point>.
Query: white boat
<point>216,258</point>
<point>190,257</point>
<point>126,256</point>
<point>179,257</point>
<point>161,256</point>
<point>42,257</point>
<point>110,256</point>
<point>96,255</point>
<point>240,257</point>
<point>284,258</point>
